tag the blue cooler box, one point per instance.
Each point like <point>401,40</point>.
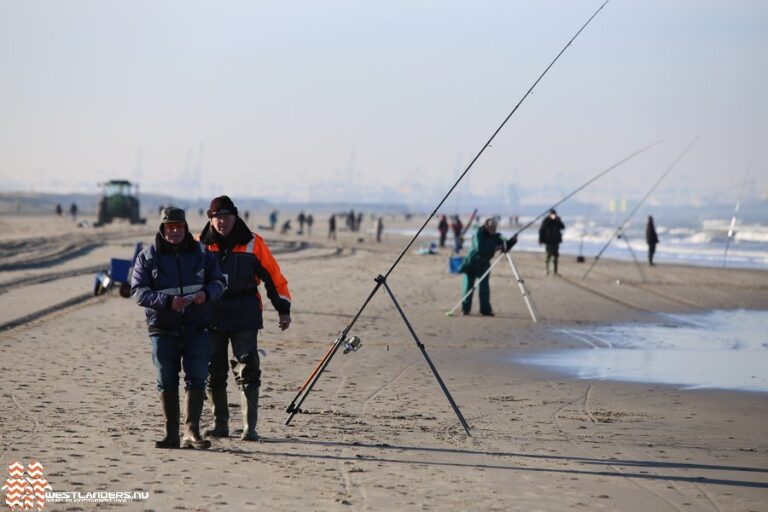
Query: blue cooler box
<point>118,269</point>
<point>454,262</point>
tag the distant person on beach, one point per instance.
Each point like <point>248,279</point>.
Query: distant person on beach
<point>246,260</point>
<point>310,220</point>
<point>351,220</point>
<point>301,219</point>
<point>485,243</point>
<point>442,228</point>
<point>457,227</point>
<point>272,219</point>
<point>651,238</point>
<point>332,227</point>
<point>73,211</point>
<point>286,227</point>
<point>551,237</point>
<point>59,210</point>
<point>176,280</point>
<point>379,228</point>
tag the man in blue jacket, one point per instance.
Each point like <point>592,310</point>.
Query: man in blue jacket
<point>175,280</point>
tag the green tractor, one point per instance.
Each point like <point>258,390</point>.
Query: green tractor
<point>120,200</point>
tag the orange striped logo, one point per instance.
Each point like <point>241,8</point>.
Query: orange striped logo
<point>25,487</point>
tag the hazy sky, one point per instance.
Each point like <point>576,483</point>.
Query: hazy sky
<point>272,98</point>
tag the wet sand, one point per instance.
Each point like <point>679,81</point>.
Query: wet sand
<point>78,390</point>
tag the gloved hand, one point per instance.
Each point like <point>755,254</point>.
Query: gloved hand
<point>509,244</point>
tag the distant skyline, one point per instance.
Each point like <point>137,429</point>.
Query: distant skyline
<point>304,100</point>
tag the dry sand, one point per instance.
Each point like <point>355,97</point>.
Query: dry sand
<point>78,392</point>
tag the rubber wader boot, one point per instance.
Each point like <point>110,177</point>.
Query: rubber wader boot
<point>193,408</point>
<point>170,401</point>
<point>249,402</point>
<point>220,410</point>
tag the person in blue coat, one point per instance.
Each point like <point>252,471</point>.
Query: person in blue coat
<point>176,280</point>
<point>485,242</point>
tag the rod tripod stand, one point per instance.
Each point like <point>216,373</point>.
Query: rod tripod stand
<point>640,270</point>
<point>352,345</point>
<point>621,234</point>
<point>520,283</point>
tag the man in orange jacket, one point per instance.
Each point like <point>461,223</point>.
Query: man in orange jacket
<point>246,262</point>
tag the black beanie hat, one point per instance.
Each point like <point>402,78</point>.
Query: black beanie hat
<point>221,205</point>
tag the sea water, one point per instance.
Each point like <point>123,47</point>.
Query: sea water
<point>718,350</point>
<point>702,243</point>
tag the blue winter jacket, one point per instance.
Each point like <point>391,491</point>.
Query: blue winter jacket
<point>159,274</point>
<point>484,246</point>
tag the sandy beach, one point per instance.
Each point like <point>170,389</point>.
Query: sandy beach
<point>79,395</point>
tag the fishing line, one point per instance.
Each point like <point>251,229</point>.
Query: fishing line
<point>638,205</point>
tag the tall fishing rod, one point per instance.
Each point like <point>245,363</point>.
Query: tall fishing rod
<point>638,205</point>
<point>542,214</point>
<point>295,405</point>
<point>731,232</point>
<point>488,143</point>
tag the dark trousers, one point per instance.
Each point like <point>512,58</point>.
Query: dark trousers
<point>553,253</point>
<point>244,350</point>
<point>172,353</point>
<point>484,290</point>
<point>651,252</point>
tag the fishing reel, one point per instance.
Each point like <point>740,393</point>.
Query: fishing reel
<point>351,344</point>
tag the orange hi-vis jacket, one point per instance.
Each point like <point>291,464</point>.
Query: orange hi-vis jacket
<point>245,266</point>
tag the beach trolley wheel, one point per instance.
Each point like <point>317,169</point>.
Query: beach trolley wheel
<point>125,290</point>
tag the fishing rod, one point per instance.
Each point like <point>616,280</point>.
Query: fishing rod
<point>542,214</point>
<point>469,223</point>
<point>731,232</point>
<point>295,405</point>
<point>638,205</point>
<point>488,143</point>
